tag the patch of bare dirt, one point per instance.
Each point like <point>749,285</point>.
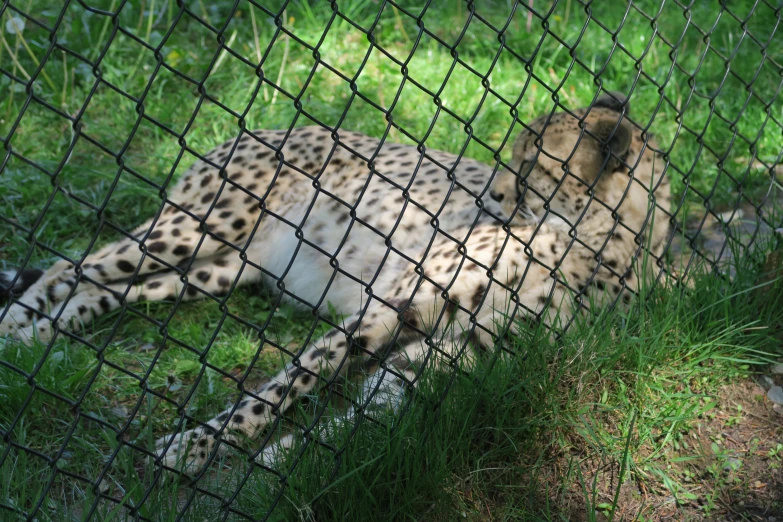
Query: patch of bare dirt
<point>727,467</point>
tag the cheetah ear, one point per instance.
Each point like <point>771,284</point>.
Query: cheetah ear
<point>613,141</point>
<point>615,101</point>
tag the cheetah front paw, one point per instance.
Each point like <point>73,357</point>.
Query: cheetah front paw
<point>187,451</point>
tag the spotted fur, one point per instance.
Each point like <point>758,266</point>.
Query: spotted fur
<point>409,243</point>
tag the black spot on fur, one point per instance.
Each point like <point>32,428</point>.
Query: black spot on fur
<point>100,269</point>
<point>182,250</point>
<point>258,409</point>
<point>157,247</point>
<point>411,317</point>
<point>238,224</point>
<point>451,306</point>
<point>317,354</point>
<point>359,343</point>
<point>238,419</point>
<point>104,304</point>
<point>476,299</point>
<point>203,276</point>
<point>153,285</point>
<point>125,266</point>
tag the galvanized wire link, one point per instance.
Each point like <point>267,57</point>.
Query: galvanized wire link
<point>698,199</point>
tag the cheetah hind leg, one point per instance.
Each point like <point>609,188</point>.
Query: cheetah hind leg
<point>171,241</point>
<point>384,388</point>
<point>206,276</point>
<point>381,396</point>
<point>323,360</point>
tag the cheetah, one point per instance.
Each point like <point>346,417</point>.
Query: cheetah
<point>405,242</point>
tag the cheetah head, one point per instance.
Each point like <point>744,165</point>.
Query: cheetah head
<point>562,173</point>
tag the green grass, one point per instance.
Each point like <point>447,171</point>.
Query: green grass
<point>653,369</point>
<point>624,388</point>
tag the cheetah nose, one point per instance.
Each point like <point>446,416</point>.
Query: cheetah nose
<point>496,196</point>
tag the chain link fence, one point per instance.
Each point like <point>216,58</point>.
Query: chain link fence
<point>104,104</point>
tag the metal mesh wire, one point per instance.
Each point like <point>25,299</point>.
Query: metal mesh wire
<point>718,125</point>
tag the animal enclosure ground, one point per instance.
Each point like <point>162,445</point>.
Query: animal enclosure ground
<point>629,392</point>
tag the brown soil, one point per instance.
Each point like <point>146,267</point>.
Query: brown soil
<point>742,480</point>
